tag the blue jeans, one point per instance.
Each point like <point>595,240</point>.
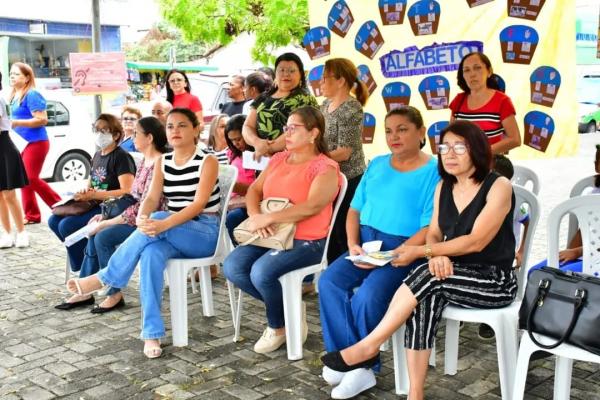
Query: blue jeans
<point>234,218</point>
<point>64,226</point>
<point>196,238</point>
<point>256,270</point>
<point>347,316</point>
<point>101,247</point>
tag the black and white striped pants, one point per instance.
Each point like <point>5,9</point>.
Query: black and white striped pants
<point>471,286</point>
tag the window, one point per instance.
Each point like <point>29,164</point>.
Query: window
<point>57,113</point>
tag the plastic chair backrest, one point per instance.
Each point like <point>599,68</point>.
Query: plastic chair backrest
<point>227,178</point>
<point>336,208</point>
<point>525,197</point>
<point>577,189</point>
<point>586,209</point>
<point>523,176</point>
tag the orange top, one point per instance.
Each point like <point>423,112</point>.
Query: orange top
<point>293,181</point>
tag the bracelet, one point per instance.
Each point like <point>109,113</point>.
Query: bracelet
<point>427,251</point>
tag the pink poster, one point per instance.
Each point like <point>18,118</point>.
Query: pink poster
<point>96,73</point>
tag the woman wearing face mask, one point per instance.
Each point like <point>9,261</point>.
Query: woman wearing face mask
<point>111,175</point>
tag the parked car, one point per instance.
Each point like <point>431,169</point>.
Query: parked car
<point>213,92</point>
<point>588,97</point>
<point>70,135</point>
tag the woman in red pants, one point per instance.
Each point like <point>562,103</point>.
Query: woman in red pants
<point>28,114</point>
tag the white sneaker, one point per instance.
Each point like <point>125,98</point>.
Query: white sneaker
<point>331,376</point>
<point>6,240</point>
<point>353,383</point>
<point>22,239</point>
<point>269,341</point>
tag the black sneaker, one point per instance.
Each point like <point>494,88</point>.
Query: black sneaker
<point>485,332</point>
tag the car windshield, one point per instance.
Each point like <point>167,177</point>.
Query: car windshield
<point>588,91</point>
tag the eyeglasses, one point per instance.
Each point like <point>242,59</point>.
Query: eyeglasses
<point>291,128</point>
<point>288,71</point>
<point>459,148</point>
<point>175,80</point>
<point>129,119</point>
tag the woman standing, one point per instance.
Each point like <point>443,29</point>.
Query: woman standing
<point>393,203</point>
<point>150,139</point>
<point>483,105</point>
<point>29,118</point>
<point>263,129</point>
<point>12,176</point>
<point>180,96</point>
<point>470,247</point>
<point>189,229</point>
<point>310,180</point>
<point>111,175</point>
<point>343,133</point>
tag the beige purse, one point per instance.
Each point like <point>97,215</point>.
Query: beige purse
<point>283,239</point>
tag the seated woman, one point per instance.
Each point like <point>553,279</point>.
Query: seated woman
<point>311,180</point>
<point>188,180</point>
<point>392,203</point>
<point>217,145</point>
<point>150,139</point>
<point>470,246</point>
<point>236,147</point>
<point>111,175</point>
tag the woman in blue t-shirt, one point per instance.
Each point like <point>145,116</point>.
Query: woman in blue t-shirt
<point>111,175</point>
<point>393,203</point>
<point>29,119</point>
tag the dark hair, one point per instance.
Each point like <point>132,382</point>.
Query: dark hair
<point>413,115</point>
<point>268,71</point>
<point>170,94</point>
<point>186,112</point>
<point>240,78</point>
<point>478,148</point>
<point>460,78</point>
<point>114,125</point>
<point>152,126</point>
<point>235,123</point>
<point>296,60</point>
<point>260,81</point>
<point>344,68</point>
<point>597,177</point>
<point>313,118</point>
<point>0,80</point>
<point>503,166</point>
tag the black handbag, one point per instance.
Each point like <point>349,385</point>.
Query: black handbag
<point>116,205</point>
<point>564,306</point>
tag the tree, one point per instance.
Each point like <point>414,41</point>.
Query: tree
<point>275,23</point>
<point>156,44</point>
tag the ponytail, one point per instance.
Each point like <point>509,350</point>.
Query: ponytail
<point>361,92</point>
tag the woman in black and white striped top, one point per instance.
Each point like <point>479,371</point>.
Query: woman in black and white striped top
<point>189,229</point>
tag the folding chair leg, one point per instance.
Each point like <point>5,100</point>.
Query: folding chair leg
<point>451,347</point>
<point>507,348</point>
<point>563,371</point>
<point>178,297</point>
<point>520,375</point>
<point>292,310</point>
<point>400,367</point>
<point>206,291</point>
<point>236,309</point>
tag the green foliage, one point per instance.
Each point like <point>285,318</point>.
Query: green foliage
<point>275,23</point>
<point>156,44</point>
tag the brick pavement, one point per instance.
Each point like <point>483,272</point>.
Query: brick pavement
<point>47,354</point>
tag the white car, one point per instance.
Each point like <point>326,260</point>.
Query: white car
<point>70,134</point>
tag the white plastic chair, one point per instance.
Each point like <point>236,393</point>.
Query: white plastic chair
<point>523,176</point>
<point>504,321</point>
<point>291,286</point>
<point>587,211</point>
<point>577,190</point>
<point>178,268</point>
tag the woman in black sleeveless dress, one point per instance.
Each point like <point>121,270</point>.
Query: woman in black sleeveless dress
<point>469,249</point>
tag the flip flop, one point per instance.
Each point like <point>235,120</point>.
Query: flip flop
<point>152,351</point>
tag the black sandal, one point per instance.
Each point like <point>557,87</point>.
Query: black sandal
<point>336,362</point>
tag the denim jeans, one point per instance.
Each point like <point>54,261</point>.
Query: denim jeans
<point>101,247</point>
<point>64,226</point>
<point>256,270</point>
<point>234,218</point>
<point>196,238</point>
<point>353,300</point>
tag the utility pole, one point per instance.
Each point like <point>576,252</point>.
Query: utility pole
<point>96,48</point>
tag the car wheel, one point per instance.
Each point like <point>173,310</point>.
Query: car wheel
<point>72,167</point>
<point>591,127</point>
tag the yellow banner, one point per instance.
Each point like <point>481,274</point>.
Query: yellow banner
<point>407,50</point>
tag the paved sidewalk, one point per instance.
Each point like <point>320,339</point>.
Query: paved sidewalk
<point>46,353</point>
